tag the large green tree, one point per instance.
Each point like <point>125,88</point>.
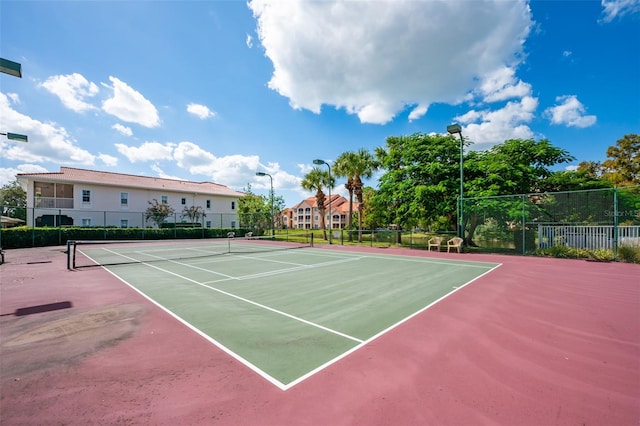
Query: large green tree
<point>255,210</point>
<point>316,180</point>
<point>355,166</point>
<point>421,179</point>
<point>13,200</point>
<point>517,166</point>
<point>622,166</point>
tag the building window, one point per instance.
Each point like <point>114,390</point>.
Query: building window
<point>233,224</point>
<point>208,204</point>
<point>124,199</point>
<point>86,222</point>
<point>124,223</point>
<point>164,199</point>
<point>183,201</point>
<point>208,224</point>
<point>86,196</point>
<point>233,205</point>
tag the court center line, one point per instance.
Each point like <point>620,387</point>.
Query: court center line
<point>251,302</point>
<point>258,274</point>
<point>404,258</point>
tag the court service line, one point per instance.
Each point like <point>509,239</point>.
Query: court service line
<point>256,275</point>
<point>299,268</point>
<point>230,277</point>
<point>251,302</point>
<point>405,258</point>
<point>386,330</point>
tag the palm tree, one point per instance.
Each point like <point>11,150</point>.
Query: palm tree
<point>316,180</point>
<point>355,166</point>
<point>343,167</point>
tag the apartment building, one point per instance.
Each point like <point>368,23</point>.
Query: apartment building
<point>306,215</point>
<point>93,198</point>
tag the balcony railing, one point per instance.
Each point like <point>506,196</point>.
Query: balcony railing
<point>53,203</point>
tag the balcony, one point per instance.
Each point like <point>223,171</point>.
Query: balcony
<point>53,203</point>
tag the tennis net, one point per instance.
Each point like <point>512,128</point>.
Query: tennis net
<point>82,254</point>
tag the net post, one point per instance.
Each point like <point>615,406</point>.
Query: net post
<point>68,254</point>
<point>311,243</point>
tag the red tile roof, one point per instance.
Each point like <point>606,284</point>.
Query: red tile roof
<point>69,174</point>
<point>338,203</point>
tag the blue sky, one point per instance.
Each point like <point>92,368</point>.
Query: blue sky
<point>218,90</point>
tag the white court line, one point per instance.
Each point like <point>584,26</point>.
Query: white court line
<point>256,275</point>
<point>385,331</point>
<point>404,258</point>
<point>251,302</point>
<point>330,362</point>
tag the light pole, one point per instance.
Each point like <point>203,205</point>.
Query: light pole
<point>273,231</point>
<point>318,162</point>
<point>453,129</point>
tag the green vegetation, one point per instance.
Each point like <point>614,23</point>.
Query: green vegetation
<point>24,236</point>
<point>629,253</point>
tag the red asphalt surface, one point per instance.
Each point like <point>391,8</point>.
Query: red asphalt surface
<point>536,342</point>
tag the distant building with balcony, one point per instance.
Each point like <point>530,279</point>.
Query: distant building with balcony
<point>93,198</point>
<point>306,215</point>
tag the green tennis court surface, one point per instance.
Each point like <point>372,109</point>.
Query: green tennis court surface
<point>287,313</point>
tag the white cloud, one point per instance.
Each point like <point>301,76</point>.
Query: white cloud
<point>108,160</point>
<point>48,142</point>
<point>249,41</point>
<point>8,174</point>
<point>418,112</point>
<point>282,180</point>
<point>509,122</point>
<point>570,112</point>
<point>148,151</point>
<point>124,130</point>
<point>156,168</point>
<point>72,89</point>
<point>376,58</point>
<point>14,97</point>
<point>502,84</point>
<point>200,111</point>
<point>129,105</point>
<point>611,9</point>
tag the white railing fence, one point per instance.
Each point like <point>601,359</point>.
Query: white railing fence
<point>587,237</point>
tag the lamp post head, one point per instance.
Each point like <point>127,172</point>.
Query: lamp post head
<point>454,128</point>
<point>318,162</point>
<point>16,137</point>
<point>10,67</point>
<point>261,174</point>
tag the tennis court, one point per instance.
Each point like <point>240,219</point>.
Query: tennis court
<point>286,314</point>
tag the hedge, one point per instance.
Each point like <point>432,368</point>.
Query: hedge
<point>24,236</point>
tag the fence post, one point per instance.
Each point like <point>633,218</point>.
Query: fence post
<point>524,227</point>
<point>615,223</point>
<point>33,227</point>
<point>59,226</point>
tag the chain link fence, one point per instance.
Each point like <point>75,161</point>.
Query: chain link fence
<point>591,219</point>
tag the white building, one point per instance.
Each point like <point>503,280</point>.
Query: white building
<point>92,198</point>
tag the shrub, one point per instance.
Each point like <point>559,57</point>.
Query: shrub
<point>629,253</point>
